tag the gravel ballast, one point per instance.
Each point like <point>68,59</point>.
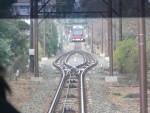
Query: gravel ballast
<point>39,100</point>
<point>105,97</point>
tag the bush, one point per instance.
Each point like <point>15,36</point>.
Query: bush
<point>126,56</point>
<point>14,44</point>
<point>5,51</point>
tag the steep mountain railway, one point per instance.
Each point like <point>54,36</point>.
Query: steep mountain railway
<point>70,94</point>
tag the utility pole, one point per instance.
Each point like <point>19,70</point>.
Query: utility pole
<point>102,35</point>
<point>35,34</point>
<point>115,38</point>
<point>114,20</point>
<point>110,39</point>
<point>120,20</point>
<point>142,58</point>
<point>31,40</point>
<point>44,32</point>
<point>34,15</point>
<point>31,47</point>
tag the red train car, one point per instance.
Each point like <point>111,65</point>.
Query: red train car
<point>77,34</point>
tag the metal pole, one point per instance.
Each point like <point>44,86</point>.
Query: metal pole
<point>142,58</point>
<point>44,32</point>
<point>115,38</point>
<point>35,34</point>
<point>120,20</point>
<point>114,31</point>
<point>31,9</point>
<point>110,40</point>
<point>31,47</point>
<point>31,38</point>
<point>44,37</point>
<point>35,30</point>
<point>102,35</point>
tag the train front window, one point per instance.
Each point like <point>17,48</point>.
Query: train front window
<point>77,32</point>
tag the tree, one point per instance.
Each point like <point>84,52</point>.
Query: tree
<point>11,33</point>
<point>22,25</point>
<point>126,55</point>
<point>14,43</point>
<point>5,50</point>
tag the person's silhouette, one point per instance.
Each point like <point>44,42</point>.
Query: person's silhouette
<point>5,106</point>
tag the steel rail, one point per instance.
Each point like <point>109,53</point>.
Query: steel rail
<point>57,93</point>
<point>60,85</point>
<point>82,93</point>
<point>81,81</point>
<point>66,95</point>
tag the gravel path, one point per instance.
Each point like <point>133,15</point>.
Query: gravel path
<point>98,95</point>
<point>38,101</point>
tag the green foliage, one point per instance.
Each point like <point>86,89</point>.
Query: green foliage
<point>11,33</point>
<point>13,41</point>
<point>5,50</point>
<point>131,64</point>
<point>126,55</point>
<point>23,25</point>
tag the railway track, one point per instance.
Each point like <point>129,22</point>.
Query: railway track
<point>70,94</point>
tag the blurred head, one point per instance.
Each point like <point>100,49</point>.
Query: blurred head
<point>3,84</point>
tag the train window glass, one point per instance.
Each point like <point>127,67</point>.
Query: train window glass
<point>77,32</point>
<point>60,33</point>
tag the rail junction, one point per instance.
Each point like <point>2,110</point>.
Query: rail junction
<point>70,94</point>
